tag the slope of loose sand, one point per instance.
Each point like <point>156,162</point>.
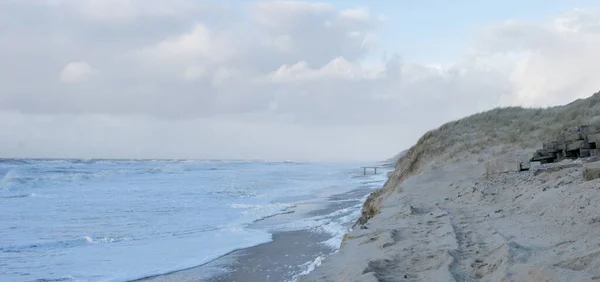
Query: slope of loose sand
<point>456,209</point>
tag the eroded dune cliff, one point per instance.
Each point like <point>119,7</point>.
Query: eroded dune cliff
<point>456,208</point>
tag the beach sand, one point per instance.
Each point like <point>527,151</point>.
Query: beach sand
<point>278,261</point>
<point>457,223</point>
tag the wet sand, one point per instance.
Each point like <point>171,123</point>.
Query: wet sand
<point>287,255</point>
<point>277,261</point>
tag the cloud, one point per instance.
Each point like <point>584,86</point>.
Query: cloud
<point>311,32</point>
<point>194,72</point>
<point>78,71</point>
<point>200,138</point>
<point>266,79</point>
<point>359,15</point>
<point>556,61</point>
<point>126,11</point>
<point>198,44</point>
<point>286,16</point>
<point>338,68</point>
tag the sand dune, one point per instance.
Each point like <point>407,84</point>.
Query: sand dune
<point>456,208</point>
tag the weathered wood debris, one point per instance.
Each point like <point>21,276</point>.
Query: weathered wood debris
<point>581,142</point>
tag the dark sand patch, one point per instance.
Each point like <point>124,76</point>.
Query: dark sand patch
<point>278,261</point>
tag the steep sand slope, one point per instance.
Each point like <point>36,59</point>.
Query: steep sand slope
<point>456,209</point>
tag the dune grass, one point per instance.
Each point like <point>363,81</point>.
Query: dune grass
<point>495,133</point>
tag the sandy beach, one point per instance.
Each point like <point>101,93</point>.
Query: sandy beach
<point>457,209</point>
<point>516,226</point>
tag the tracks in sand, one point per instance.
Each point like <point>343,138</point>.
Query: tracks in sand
<point>468,258</point>
<point>482,251</point>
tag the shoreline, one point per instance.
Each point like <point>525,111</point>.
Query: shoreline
<point>255,263</point>
<point>288,254</point>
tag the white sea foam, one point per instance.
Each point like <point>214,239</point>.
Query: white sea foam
<point>275,206</point>
<point>106,240</point>
<point>9,178</point>
<point>308,267</point>
<point>89,239</point>
<point>335,224</point>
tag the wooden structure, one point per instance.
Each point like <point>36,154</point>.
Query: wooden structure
<point>581,142</point>
<point>369,167</point>
<point>523,167</point>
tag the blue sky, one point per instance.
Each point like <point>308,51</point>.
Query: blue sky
<point>440,31</point>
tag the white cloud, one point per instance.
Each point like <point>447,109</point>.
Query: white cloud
<point>283,43</point>
<point>338,68</point>
<point>557,61</point>
<point>126,11</point>
<point>198,44</point>
<point>223,75</point>
<point>288,78</point>
<point>194,72</point>
<point>356,14</point>
<point>78,71</point>
<point>286,15</point>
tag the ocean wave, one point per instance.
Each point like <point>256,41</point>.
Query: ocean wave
<point>11,178</point>
<point>61,279</point>
<point>81,241</point>
<point>27,178</point>
<point>234,192</point>
<point>156,170</point>
<point>260,212</point>
<point>28,173</point>
<point>106,240</point>
<point>180,233</point>
<point>13,161</point>
<point>262,206</point>
<point>82,161</point>
<point>16,196</point>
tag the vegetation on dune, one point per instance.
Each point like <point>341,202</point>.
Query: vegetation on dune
<point>495,131</point>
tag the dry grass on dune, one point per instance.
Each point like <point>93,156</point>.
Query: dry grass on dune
<point>491,134</point>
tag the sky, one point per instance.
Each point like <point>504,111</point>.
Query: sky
<point>276,80</point>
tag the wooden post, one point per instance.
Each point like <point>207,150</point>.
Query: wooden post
<point>369,167</point>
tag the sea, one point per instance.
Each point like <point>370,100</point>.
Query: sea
<point>121,220</point>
